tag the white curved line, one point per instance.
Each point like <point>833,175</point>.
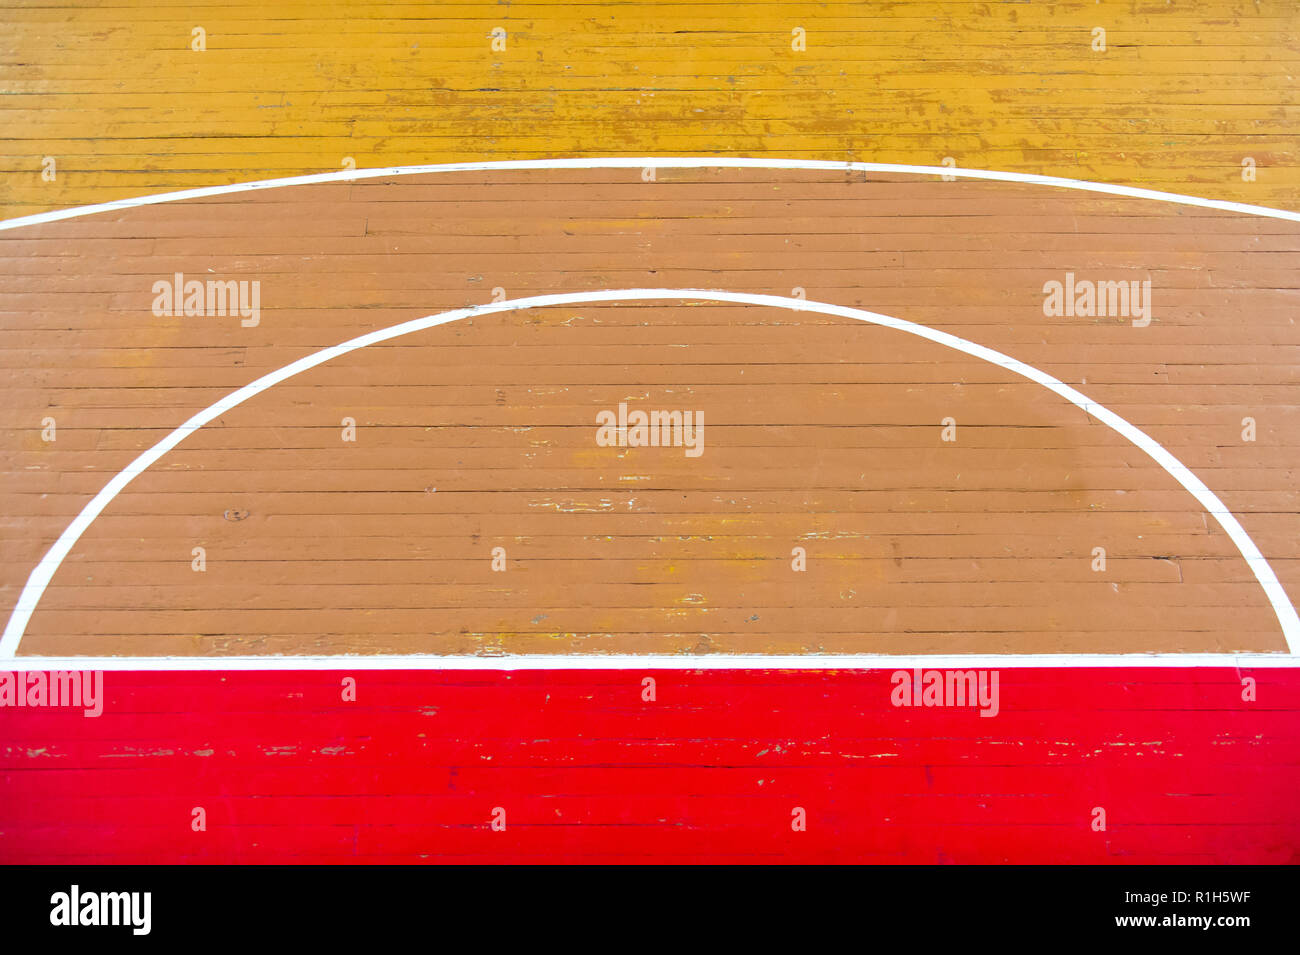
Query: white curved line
<point>44,571</point>
<point>658,162</point>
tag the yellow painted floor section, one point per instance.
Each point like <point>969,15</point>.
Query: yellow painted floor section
<point>103,102</point>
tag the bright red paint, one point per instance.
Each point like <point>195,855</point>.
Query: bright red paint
<point>710,772</point>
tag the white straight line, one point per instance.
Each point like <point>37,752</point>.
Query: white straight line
<point>44,571</point>
<point>659,661</point>
<point>660,162</point>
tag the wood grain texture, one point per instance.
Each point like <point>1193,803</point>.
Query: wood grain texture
<point>411,772</point>
<point>822,433</point>
<point>115,94</point>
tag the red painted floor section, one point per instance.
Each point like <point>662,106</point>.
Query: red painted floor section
<point>711,771</point>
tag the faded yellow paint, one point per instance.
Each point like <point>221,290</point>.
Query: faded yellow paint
<point>1184,92</point>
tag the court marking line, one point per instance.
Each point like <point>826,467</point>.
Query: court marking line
<point>49,564</point>
<point>660,162</point>
<point>661,661</point>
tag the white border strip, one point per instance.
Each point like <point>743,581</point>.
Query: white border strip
<point>49,564</point>
<point>657,162</point>
<point>719,661</point>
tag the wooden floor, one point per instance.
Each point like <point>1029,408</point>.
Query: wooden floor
<point>822,432</point>
<point>588,772</point>
<point>1182,94</point>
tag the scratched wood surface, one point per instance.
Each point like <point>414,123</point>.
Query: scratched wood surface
<point>821,432</point>
<point>825,431</point>
<point>116,96</point>
<point>584,770</point>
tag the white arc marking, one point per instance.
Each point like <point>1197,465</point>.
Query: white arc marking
<point>44,571</point>
<point>661,162</point>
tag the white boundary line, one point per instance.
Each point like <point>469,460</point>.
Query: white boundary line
<point>657,162</point>
<point>49,564</point>
<point>684,661</point>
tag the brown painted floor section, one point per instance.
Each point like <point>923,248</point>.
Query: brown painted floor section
<point>820,433</point>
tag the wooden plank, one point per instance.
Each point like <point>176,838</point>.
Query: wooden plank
<point>276,92</point>
<point>709,771</point>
